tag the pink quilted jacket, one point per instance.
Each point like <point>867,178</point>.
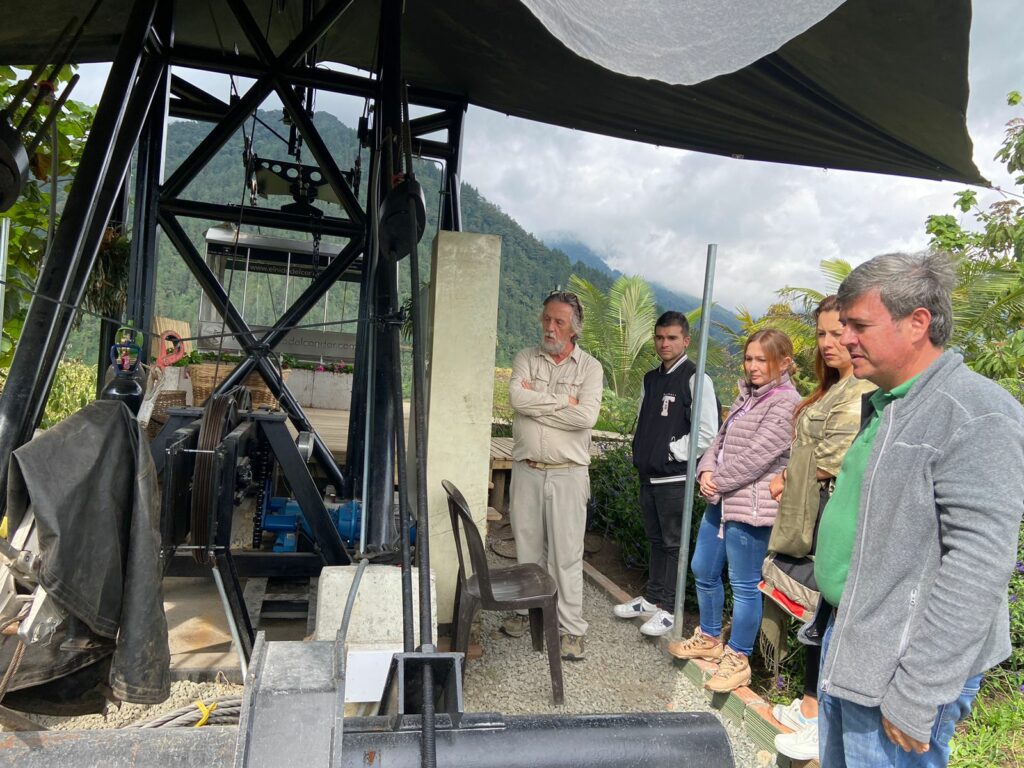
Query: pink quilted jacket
<point>750,448</point>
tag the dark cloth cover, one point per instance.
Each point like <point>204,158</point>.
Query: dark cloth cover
<point>91,483</point>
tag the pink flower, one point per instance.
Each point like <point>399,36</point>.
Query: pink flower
<point>320,369</point>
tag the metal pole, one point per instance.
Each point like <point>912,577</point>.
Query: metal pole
<point>5,242</point>
<point>691,458</point>
<point>36,359</point>
<point>235,637</point>
<point>124,146</point>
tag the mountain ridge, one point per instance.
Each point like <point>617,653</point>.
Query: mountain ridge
<point>666,298</point>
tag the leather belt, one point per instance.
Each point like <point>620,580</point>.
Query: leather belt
<point>542,466</point>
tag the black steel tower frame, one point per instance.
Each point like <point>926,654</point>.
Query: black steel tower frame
<point>141,92</point>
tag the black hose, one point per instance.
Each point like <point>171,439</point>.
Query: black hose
<point>340,664</point>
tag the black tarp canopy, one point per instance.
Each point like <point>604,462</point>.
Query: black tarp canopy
<point>874,86</point>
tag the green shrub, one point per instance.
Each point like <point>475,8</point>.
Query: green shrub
<point>615,489</point>
<point>74,387</point>
<point>618,414</point>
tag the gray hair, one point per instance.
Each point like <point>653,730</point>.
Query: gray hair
<point>567,297</point>
<point>906,281</point>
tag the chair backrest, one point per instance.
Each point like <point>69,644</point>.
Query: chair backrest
<point>462,520</point>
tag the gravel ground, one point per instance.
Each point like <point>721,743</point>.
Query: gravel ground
<point>183,694</point>
<point>623,672</point>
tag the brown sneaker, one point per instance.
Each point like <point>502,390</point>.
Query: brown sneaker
<point>700,646</point>
<point>733,671</point>
<point>572,647</point>
<point>516,625</point>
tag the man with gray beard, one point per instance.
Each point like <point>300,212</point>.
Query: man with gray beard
<point>555,392</point>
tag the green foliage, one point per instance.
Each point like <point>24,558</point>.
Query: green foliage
<point>619,330</point>
<point>107,291</point>
<point>618,414</point>
<point>501,421</point>
<point>74,387</point>
<point>994,733</point>
<point>30,215</point>
<point>615,489</point>
<point>989,298</point>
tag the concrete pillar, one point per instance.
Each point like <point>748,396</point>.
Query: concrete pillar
<point>464,332</point>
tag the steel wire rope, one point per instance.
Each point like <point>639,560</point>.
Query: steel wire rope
<point>227,712</point>
<point>249,171</point>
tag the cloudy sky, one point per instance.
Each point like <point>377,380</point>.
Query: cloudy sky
<point>652,210</point>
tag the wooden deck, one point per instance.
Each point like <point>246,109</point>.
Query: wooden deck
<point>332,426</point>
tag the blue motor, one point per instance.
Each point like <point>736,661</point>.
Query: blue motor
<point>283,517</point>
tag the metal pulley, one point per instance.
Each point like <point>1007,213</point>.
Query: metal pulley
<point>405,198</point>
<point>13,165</point>
<point>304,443</point>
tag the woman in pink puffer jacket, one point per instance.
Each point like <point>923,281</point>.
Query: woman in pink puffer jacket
<point>751,447</point>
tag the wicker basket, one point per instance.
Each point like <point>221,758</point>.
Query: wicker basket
<point>204,382</point>
<point>164,402</point>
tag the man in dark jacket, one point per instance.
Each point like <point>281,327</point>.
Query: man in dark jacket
<point>660,448</point>
<point>916,545</point>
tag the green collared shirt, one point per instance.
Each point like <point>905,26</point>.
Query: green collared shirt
<point>838,528</point>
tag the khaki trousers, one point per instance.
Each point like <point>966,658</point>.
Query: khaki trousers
<point>548,512</point>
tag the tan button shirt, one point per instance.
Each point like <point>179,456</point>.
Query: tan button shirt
<point>546,428</point>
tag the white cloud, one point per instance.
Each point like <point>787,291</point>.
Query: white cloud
<point>652,210</point>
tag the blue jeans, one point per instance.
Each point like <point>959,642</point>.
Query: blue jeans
<point>851,735</point>
<point>744,548</point>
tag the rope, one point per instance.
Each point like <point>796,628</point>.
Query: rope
<point>12,668</point>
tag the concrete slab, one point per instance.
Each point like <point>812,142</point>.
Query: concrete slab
<point>377,612</point>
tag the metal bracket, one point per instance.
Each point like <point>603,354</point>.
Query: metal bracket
<point>403,691</point>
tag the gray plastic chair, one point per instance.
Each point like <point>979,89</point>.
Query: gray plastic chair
<point>501,589</point>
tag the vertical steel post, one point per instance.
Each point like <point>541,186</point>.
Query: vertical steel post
<point>144,248</point>
<point>36,358</point>
<point>121,157</point>
<point>451,214</point>
<point>691,458</point>
<point>5,243</point>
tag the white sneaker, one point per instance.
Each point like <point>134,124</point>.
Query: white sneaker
<point>791,716</point>
<point>658,625</point>
<point>801,744</point>
<point>637,607</point>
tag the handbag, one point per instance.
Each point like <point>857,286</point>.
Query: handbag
<point>789,582</point>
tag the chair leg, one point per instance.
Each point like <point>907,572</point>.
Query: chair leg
<point>467,612</point>
<point>537,628</point>
<point>554,651</point>
<point>456,608</point>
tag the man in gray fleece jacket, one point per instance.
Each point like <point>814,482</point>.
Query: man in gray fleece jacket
<point>917,544</point>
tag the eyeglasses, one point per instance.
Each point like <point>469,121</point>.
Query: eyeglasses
<point>567,297</point>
